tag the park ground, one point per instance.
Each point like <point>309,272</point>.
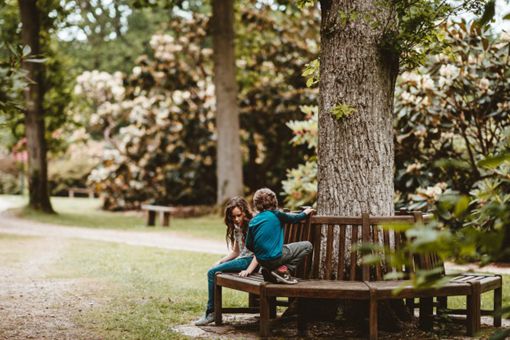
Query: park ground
<point>89,274</point>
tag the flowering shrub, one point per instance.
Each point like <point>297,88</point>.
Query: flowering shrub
<point>158,123</point>
<point>300,187</point>
<point>450,114</point>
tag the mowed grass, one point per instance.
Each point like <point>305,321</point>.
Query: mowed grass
<point>85,212</point>
<point>127,292</point>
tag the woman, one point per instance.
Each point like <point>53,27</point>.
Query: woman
<point>240,259</point>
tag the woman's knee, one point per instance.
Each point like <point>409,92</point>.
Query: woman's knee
<point>211,273</point>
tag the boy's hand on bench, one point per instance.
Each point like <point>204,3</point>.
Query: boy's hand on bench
<point>244,273</point>
<point>309,211</point>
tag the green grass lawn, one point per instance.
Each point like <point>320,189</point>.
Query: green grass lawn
<point>127,292</point>
<point>458,301</point>
<point>85,212</point>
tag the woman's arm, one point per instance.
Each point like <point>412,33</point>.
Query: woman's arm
<point>250,268</point>
<point>232,255</point>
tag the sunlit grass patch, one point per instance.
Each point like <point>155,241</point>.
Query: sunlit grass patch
<point>149,291</point>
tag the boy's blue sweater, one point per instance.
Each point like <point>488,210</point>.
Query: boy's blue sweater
<point>265,233</point>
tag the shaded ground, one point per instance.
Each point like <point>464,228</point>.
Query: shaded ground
<point>244,326</point>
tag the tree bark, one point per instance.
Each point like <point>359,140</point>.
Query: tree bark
<point>34,113</point>
<point>229,162</point>
<point>355,154</point>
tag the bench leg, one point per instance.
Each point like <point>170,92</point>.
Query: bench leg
<point>301,318</point>
<point>151,218</point>
<point>272,311</point>
<point>265,306</point>
<point>410,305</point>
<point>498,299</point>
<point>442,305</point>
<point>166,219</point>
<point>218,316</point>
<point>372,317</point>
<point>473,309</point>
<point>426,310</point>
<point>253,301</point>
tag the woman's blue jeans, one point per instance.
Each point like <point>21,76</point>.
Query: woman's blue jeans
<point>235,265</point>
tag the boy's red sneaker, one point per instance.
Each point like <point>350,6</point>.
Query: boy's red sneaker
<point>282,275</point>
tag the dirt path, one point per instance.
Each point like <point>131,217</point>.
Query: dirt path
<point>165,240</point>
<point>35,307</point>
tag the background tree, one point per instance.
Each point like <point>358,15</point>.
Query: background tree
<point>34,114</point>
<point>56,87</point>
<point>228,152</point>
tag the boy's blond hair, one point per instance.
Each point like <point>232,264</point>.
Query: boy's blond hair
<point>265,199</point>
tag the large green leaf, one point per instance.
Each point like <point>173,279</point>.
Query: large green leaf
<point>493,162</point>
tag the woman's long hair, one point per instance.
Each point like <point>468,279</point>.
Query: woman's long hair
<point>236,202</point>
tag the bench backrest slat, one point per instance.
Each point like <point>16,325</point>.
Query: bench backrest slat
<point>354,255</point>
<point>329,251</point>
<point>365,236</point>
<point>328,237</point>
<point>341,252</point>
<point>316,231</point>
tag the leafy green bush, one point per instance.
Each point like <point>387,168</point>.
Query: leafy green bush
<point>9,184</point>
<point>300,187</point>
<point>450,114</point>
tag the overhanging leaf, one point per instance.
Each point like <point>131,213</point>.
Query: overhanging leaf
<point>488,13</point>
<point>493,162</point>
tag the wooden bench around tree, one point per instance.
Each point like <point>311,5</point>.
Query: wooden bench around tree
<point>347,280</point>
<point>164,212</point>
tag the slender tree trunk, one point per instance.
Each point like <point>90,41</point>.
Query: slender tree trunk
<point>355,160</point>
<point>229,162</point>
<point>34,114</point>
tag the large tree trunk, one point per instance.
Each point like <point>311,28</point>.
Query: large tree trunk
<point>355,153</point>
<point>355,156</point>
<point>229,162</point>
<point>34,114</point>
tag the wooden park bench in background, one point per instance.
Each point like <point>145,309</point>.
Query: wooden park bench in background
<point>86,191</point>
<point>164,212</point>
<point>350,281</point>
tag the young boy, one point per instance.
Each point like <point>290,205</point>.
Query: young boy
<point>265,238</point>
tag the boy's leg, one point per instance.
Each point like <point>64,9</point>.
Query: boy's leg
<point>294,253</point>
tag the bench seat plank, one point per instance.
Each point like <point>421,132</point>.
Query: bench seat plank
<point>404,289</point>
<point>157,208</point>
<point>321,289</point>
